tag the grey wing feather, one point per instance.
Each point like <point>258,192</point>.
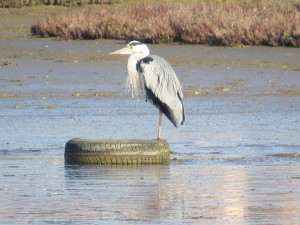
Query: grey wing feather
<point>159,76</point>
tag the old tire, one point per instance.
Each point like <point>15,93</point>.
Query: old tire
<point>86,151</point>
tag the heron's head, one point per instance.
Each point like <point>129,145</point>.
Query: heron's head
<point>133,47</point>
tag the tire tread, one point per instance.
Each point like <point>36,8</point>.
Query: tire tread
<point>86,151</point>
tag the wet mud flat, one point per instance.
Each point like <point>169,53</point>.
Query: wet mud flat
<point>234,161</point>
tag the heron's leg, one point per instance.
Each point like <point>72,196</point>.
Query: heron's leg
<point>159,125</point>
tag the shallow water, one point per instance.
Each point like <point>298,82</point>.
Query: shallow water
<point>223,169</point>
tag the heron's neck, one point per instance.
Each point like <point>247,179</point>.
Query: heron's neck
<point>140,55</point>
<point>134,58</point>
<point>133,79</point>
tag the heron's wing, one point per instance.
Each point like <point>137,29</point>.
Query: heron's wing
<point>161,80</point>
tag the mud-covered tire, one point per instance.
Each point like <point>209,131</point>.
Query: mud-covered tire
<point>86,151</point>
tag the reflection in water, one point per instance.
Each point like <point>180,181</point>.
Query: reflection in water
<point>183,193</point>
<point>125,192</point>
<point>241,194</point>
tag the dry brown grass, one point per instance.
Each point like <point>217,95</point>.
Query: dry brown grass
<point>21,3</point>
<point>272,23</point>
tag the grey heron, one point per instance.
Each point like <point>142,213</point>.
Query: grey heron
<point>154,75</point>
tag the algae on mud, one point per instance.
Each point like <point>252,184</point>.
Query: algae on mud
<point>6,95</point>
<point>290,155</point>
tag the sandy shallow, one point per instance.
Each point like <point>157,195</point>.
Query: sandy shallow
<point>231,161</point>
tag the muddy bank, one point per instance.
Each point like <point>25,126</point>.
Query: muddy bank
<point>204,71</point>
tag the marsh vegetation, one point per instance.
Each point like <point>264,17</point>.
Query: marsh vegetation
<point>229,23</point>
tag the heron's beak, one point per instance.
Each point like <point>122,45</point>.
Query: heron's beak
<point>123,51</point>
